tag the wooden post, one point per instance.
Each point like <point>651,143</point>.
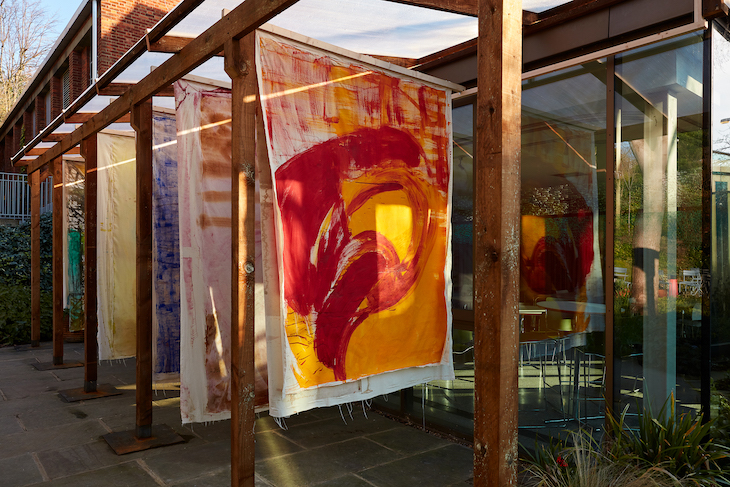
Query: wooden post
<point>239,65</point>
<point>57,261</point>
<point>91,350</point>
<point>496,242</point>
<point>142,124</point>
<point>35,259</point>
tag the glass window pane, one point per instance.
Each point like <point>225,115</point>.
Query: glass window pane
<point>658,225</point>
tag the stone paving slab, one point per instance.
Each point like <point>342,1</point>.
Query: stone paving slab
<point>19,470</point>
<point>301,469</point>
<point>43,437</point>
<point>49,438</point>
<point>322,432</point>
<point>407,441</point>
<point>123,475</point>
<point>191,461</point>
<point>448,465</point>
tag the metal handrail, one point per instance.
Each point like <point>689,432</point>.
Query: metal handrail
<point>15,196</point>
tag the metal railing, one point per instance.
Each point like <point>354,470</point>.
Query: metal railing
<point>15,196</point>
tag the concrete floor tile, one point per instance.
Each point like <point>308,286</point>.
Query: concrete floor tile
<point>221,478</point>
<point>9,425</point>
<point>191,461</point>
<point>407,440</point>
<point>84,431</point>
<point>319,433</point>
<point>357,454</point>
<point>19,470</point>
<point>79,458</point>
<point>122,475</point>
<point>435,468</point>
<point>269,444</point>
<point>299,469</point>
<point>349,480</point>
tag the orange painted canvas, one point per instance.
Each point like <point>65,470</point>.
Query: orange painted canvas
<point>361,166</point>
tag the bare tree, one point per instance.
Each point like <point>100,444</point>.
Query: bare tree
<point>26,34</point>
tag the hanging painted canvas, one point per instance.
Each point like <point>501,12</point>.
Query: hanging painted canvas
<point>73,221</point>
<point>360,156</point>
<point>204,185</point>
<point>165,248</point>
<point>116,245</point>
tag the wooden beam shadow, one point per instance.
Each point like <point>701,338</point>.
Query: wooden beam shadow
<point>78,394</point>
<point>124,442</point>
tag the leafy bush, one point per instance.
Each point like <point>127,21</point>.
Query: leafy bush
<point>15,282</point>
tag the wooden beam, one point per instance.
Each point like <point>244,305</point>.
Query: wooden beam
<point>91,349</point>
<point>172,45</point>
<point>405,62</point>
<point>142,124</point>
<point>82,117</point>
<point>42,150</point>
<point>35,259</point>
<point>118,89</point>
<point>55,137</point>
<point>239,65</point>
<point>464,7</point>
<point>57,245</point>
<point>567,12</point>
<point>243,20</point>
<point>170,20</point>
<point>496,242</point>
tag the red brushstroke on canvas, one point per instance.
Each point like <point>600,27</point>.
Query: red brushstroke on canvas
<point>334,277</point>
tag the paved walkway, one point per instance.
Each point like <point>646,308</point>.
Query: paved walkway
<point>44,440</point>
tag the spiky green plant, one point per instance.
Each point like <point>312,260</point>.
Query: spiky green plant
<point>584,464</point>
<point>681,445</point>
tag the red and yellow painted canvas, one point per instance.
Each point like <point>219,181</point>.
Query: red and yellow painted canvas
<point>361,164</point>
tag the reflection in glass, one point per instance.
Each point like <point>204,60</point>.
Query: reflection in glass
<point>720,233</point>
<point>561,265</point>
<point>658,224</point>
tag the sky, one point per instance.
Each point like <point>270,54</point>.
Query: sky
<point>374,35</point>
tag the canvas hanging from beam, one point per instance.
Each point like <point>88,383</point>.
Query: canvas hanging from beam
<point>116,245</point>
<point>73,222</point>
<point>360,158</point>
<point>166,249</point>
<point>204,177</point>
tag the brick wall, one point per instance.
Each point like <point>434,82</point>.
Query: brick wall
<point>28,124</point>
<point>123,23</point>
<point>40,112</point>
<point>16,135</point>
<point>56,97</point>
<point>77,83</point>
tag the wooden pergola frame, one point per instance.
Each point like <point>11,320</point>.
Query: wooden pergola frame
<point>496,216</point>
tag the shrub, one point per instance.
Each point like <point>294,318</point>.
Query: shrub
<point>665,451</point>
<point>680,445</point>
<point>15,282</point>
<point>584,464</point>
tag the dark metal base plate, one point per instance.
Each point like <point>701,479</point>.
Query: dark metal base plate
<point>102,390</point>
<point>126,442</point>
<point>51,366</point>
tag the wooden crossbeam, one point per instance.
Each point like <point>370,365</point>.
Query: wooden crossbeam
<point>55,137</point>
<point>39,151</point>
<point>118,89</point>
<point>171,45</point>
<point>83,117</point>
<point>464,7</point>
<point>243,20</point>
